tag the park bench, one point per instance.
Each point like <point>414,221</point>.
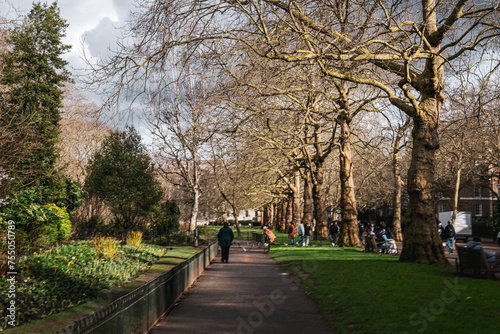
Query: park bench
<point>371,245</point>
<point>473,262</point>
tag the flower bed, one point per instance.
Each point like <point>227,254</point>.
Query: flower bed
<point>64,276</point>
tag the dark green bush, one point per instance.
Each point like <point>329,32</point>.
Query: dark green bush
<point>484,227</point>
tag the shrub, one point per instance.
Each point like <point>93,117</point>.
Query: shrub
<point>483,227</point>
<point>58,228</point>
<point>41,223</point>
<point>106,246</point>
<point>204,231</point>
<point>134,238</point>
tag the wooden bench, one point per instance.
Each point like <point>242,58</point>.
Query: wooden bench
<point>473,262</point>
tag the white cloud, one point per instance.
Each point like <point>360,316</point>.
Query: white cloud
<point>93,29</point>
<point>93,22</point>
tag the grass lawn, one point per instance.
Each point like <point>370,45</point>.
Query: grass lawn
<point>369,293</point>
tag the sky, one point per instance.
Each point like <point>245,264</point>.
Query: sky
<point>92,23</point>
<point>93,28</point>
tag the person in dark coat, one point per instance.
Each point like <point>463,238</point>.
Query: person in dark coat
<point>334,232</point>
<point>449,234</point>
<point>225,237</point>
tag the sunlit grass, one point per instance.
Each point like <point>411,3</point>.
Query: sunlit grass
<point>370,293</point>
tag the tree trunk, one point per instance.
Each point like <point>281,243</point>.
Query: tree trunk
<point>321,229</point>
<point>457,183</point>
<point>279,214</point>
<point>422,242</point>
<point>307,212</point>
<point>396,222</point>
<point>398,183</point>
<point>194,209</point>
<point>271,214</point>
<point>295,199</point>
<point>236,213</point>
<point>288,214</point>
<point>348,228</point>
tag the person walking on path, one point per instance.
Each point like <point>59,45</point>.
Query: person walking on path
<point>269,237</point>
<point>307,233</point>
<point>301,233</point>
<point>253,295</point>
<point>225,237</point>
<point>449,234</point>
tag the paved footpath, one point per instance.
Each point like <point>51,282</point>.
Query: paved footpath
<point>250,294</point>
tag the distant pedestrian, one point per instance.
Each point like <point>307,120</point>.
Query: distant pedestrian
<point>307,233</point>
<point>381,225</point>
<point>301,233</point>
<point>361,230</point>
<point>449,234</point>
<point>370,228</point>
<point>269,235</point>
<point>264,228</point>
<point>225,237</point>
<point>291,233</point>
<point>334,232</point>
<point>440,230</point>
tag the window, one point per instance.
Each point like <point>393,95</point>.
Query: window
<point>477,192</point>
<point>246,213</point>
<point>441,208</point>
<point>479,210</point>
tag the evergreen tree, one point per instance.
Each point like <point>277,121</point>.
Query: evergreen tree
<point>121,174</point>
<point>32,77</point>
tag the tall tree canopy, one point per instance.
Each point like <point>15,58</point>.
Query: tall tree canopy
<point>32,77</point>
<point>400,48</point>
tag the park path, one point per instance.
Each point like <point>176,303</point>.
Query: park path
<point>250,294</point>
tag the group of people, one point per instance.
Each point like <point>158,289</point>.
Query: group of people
<point>304,231</point>
<point>447,235</point>
<point>383,236</point>
<point>226,236</point>
<point>334,232</point>
<point>382,233</point>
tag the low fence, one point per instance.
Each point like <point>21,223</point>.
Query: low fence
<point>139,310</point>
<point>258,237</point>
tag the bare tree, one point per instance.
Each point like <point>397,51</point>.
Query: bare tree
<point>234,164</point>
<point>182,125</point>
<point>467,132</point>
<point>81,133</point>
<point>411,41</point>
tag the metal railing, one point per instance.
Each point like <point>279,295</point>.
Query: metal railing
<point>139,310</point>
